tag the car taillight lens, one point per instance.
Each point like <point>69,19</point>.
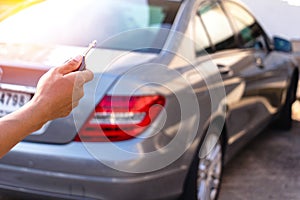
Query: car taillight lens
<point>118,118</point>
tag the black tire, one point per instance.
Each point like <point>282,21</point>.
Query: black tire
<point>192,186</point>
<point>284,120</point>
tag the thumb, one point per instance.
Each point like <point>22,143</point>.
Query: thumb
<point>70,65</point>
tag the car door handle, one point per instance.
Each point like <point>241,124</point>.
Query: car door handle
<point>224,70</point>
<point>259,62</point>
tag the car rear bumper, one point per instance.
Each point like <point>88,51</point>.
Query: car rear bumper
<point>70,186</point>
<point>31,177</point>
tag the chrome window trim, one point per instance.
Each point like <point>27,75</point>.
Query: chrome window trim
<point>17,88</point>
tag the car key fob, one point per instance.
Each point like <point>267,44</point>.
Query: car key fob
<point>83,65</point>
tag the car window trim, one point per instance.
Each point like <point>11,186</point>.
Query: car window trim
<point>230,18</point>
<point>212,46</point>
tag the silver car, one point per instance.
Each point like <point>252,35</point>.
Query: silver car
<point>179,88</point>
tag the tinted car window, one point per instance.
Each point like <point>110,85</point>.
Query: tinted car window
<point>217,26</point>
<point>248,29</point>
<point>77,22</point>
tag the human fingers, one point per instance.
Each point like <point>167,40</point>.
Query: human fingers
<point>70,66</point>
<point>81,77</point>
<point>87,75</point>
<point>75,104</point>
<point>78,93</point>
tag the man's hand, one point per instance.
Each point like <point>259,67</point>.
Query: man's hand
<point>58,92</point>
<point>60,89</point>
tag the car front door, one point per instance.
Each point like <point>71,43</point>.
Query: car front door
<point>267,81</point>
<point>242,68</point>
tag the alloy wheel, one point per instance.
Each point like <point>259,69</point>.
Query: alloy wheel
<point>209,170</point>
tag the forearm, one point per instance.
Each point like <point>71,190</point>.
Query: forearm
<point>17,125</point>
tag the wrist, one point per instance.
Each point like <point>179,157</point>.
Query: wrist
<point>36,113</point>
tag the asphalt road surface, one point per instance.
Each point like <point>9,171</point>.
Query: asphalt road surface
<point>268,168</point>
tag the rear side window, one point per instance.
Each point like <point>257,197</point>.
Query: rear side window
<point>201,38</point>
<point>217,25</point>
<point>249,31</point>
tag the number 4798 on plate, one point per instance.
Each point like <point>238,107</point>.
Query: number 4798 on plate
<point>11,101</point>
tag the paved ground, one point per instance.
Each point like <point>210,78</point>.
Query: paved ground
<point>268,168</point>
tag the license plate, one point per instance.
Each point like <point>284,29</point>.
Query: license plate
<point>11,101</point>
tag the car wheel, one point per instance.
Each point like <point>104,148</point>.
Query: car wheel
<point>284,120</point>
<point>204,178</point>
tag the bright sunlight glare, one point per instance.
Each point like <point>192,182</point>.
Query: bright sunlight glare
<point>293,2</point>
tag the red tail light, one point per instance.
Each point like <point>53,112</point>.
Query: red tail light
<point>118,118</point>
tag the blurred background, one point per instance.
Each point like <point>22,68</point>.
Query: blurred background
<point>279,17</point>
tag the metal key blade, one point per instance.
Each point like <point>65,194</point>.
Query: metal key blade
<point>91,45</point>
